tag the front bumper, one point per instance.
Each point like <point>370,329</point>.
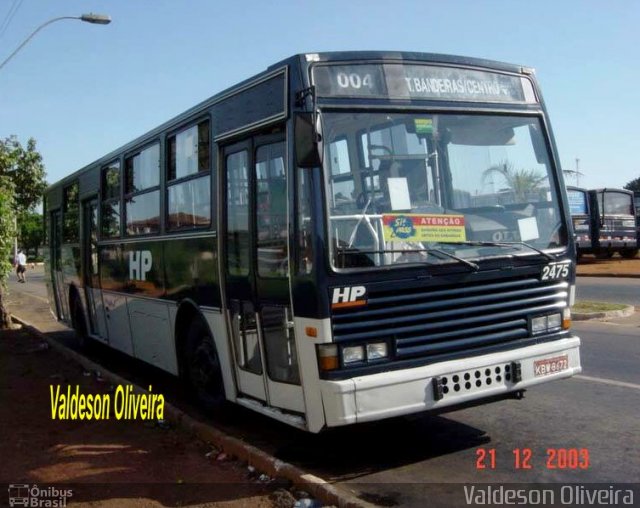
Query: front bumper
<point>617,242</point>
<point>401,392</point>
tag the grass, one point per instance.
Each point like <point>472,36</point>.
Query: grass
<point>586,307</point>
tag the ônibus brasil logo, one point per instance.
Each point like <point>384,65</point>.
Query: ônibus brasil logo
<point>22,494</point>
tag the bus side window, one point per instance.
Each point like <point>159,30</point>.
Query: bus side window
<point>238,214</point>
<point>271,208</point>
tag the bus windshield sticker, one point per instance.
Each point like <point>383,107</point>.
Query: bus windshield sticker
<point>399,193</point>
<point>397,81</point>
<point>411,227</point>
<point>528,229</point>
<point>424,125</point>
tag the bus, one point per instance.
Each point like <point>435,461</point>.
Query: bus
<point>636,203</point>
<point>344,237</point>
<point>580,215</point>
<point>613,223</point>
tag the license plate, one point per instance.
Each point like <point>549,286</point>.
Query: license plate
<point>550,365</point>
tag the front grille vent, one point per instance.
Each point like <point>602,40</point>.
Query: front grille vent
<point>426,322</point>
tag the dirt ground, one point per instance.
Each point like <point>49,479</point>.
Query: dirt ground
<point>109,462</point>
<point>589,265</point>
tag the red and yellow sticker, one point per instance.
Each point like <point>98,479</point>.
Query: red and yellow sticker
<point>411,227</point>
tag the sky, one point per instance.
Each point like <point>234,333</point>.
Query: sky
<point>83,90</point>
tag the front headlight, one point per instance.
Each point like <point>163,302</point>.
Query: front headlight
<point>554,322</point>
<point>352,354</point>
<point>376,351</point>
<point>539,324</point>
<point>546,324</point>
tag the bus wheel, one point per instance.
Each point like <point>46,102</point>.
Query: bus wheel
<point>79,323</point>
<point>629,253</point>
<point>204,373</point>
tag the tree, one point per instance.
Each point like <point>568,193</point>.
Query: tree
<point>31,231</point>
<point>633,185</point>
<point>7,233</point>
<point>22,183</point>
<point>521,182</point>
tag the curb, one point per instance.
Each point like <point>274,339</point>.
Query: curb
<point>588,316</point>
<point>613,275</point>
<point>262,461</point>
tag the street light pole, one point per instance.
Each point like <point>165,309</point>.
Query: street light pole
<point>98,19</point>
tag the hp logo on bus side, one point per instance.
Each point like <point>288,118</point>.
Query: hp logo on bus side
<point>349,297</point>
<point>140,262</point>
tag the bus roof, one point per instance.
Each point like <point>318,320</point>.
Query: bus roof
<point>343,56</point>
<point>611,189</point>
<point>300,61</point>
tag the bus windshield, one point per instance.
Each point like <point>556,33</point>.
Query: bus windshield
<point>437,188</point>
<point>615,203</point>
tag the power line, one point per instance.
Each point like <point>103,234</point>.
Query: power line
<point>10,14</point>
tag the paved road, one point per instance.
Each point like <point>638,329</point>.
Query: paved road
<point>403,461</point>
<point>609,289</point>
<point>35,282</point>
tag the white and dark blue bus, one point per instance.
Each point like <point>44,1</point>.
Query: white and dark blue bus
<point>342,238</point>
<point>613,223</point>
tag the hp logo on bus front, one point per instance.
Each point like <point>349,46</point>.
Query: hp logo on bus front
<point>349,297</point>
<point>140,262</point>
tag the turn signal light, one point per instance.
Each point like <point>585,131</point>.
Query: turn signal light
<point>566,318</point>
<point>328,357</point>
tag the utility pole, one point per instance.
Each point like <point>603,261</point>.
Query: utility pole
<point>577,172</point>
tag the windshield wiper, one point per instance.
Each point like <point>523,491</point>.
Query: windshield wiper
<point>405,251</point>
<point>502,244</point>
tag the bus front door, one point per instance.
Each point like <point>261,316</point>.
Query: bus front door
<point>256,273</point>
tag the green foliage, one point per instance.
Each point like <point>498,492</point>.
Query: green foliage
<point>30,231</point>
<point>7,227</point>
<point>521,181</point>
<point>21,187</point>
<point>633,185</point>
<point>24,167</point>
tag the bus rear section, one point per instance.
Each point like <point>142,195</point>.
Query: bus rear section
<point>613,220</point>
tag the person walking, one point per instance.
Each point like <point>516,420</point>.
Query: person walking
<point>21,266</point>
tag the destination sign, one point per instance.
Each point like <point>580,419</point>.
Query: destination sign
<point>398,81</point>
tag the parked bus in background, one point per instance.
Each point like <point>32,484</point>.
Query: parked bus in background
<point>636,202</point>
<point>613,223</point>
<point>579,208</point>
<point>342,238</point>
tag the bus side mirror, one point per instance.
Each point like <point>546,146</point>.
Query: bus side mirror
<point>308,140</point>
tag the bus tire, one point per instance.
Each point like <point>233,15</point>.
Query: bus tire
<point>203,371</point>
<point>79,323</point>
